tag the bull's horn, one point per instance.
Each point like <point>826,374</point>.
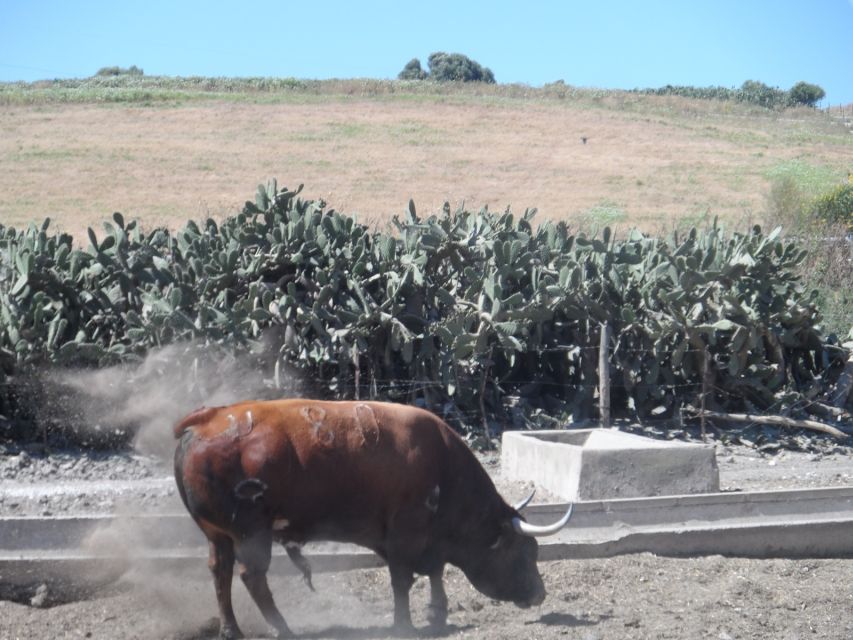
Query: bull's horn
<point>533,530</point>
<point>525,502</point>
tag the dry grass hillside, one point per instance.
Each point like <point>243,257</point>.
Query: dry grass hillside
<point>647,161</point>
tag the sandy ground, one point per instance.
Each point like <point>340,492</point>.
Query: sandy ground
<point>634,596</point>
<point>644,163</point>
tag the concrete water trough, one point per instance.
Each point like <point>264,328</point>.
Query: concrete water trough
<point>596,464</point>
<point>630,495</point>
<point>813,523</point>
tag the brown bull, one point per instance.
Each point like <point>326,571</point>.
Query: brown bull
<point>392,478</point>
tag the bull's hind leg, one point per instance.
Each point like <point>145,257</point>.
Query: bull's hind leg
<point>254,554</point>
<point>221,563</point>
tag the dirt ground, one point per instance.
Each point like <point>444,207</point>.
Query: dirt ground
<point>636,596</point>
<point>633,596</point>
<point>644,163</point>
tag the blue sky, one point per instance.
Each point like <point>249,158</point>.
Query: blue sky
<point>598,43</point>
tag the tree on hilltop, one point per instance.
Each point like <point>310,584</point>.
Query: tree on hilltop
<point>447,67</point>
<point>133,70</point>
<point>804,93</point>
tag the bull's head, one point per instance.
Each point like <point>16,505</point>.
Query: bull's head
<point>504,568</point>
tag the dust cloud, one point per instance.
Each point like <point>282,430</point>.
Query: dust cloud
<point>148,398</point>
<point>162,561</point>
<point>174,583</point>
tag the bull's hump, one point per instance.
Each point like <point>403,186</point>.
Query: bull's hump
<point>199,416</point>
<point>234,421</point>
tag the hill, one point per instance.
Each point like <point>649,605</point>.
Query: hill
<point>167,149</point>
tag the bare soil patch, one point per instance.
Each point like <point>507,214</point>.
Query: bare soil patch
<point>646,164</point>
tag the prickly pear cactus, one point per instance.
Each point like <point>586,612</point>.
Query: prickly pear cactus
<point>483,317</point>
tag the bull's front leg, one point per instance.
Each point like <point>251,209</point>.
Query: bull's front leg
<point>437,612</point>
<point>402,579</point>
<point>221,564</point>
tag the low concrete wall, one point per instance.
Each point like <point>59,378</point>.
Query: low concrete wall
<point>812,523</point>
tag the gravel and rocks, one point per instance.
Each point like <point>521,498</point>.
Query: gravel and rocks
<point>36,480</point>
<point>39,481</point>
<point>37,463</point>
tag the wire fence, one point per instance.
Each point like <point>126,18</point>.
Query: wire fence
<point>783,407</point>
<point>839,110</point>
<point>842,113</point>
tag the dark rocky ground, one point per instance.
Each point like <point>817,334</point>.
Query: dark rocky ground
<point>39,480</point>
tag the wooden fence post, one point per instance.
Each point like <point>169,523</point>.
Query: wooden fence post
<point>355,361</point>
<point>604,376</point>
<point>706,379</point>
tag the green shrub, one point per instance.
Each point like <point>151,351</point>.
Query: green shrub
<point>828,270</point>
<point>786,203</point>
<point>412,71</point>
<point>836,206</point>
<point>813,180</point>
<point>119,71</point>
<point>818,224</point>
<point>751,92</point>
<point>763,95</point>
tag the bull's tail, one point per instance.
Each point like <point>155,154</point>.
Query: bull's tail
<point>198,416</point>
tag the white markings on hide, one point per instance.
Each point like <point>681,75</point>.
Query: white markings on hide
<point>315,417</point>
<point>432,499</point>
<point>280,523</point>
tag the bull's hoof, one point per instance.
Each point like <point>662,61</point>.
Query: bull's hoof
<point>229,632</point>
<point>404,630</point>
<point>437,616</point>
<point>281,632</point>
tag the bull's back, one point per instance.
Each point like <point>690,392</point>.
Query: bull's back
<point>324,464</point>
<point>346,453</point>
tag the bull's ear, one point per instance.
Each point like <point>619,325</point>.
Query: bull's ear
<point>504,532</point>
